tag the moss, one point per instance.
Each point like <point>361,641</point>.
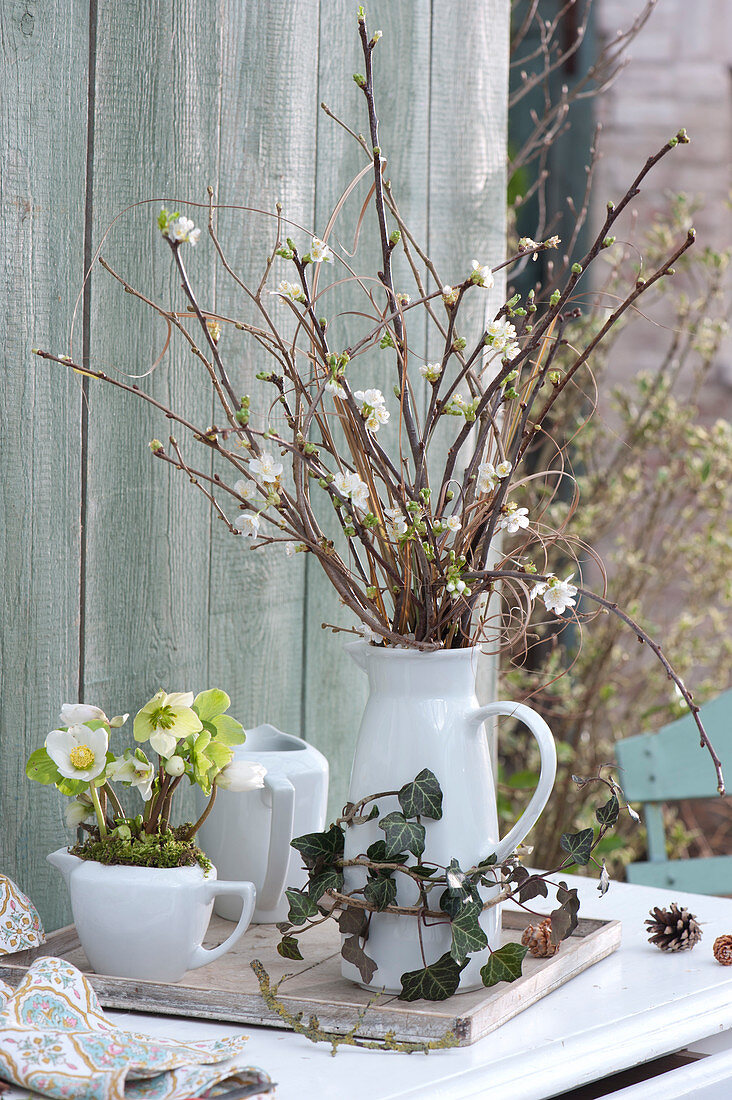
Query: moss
<point>169,849</point>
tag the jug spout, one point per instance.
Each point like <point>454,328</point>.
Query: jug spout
<point>63,861</point>
<point>358,652</point>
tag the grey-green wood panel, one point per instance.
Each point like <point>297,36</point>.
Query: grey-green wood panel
<point>268,136</point>
<point>467,179</point>
<point>442,71</point>
<point>157,106</point>
<point>334,689</point>
<point>43,82</point>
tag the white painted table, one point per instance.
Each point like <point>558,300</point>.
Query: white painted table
<point>636,1005</point>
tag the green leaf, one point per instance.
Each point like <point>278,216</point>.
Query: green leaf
<point>380,891</point>
<point>436,982</point>
<point>457,882</point>
<point>401,834</point>
<point>504,965</point>
<point>209,704</point>
<point>72,787</point>
<point>353,921</point>
<point>579,845</point>
<point>328,880</point>
<point>452,904</point>
<point>226,729</point>
<point>608,814</point>
<point>320,849</point>
<point>467,935</point>
<point>352,952</point>
<point>41,767</point>
<point>422,797</point>
<point>288,948</point>
<point>301,907</point>
<point>376,852</point>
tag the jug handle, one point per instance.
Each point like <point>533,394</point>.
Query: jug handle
<point>280,835</point>
<point>244,890</point>
<point>548,755</point>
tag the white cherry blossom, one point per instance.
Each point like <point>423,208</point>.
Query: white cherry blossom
<point>319,252</point>
<point>266,468</point>
<point>486,480</point>
<point>513,518</point>
<point>431,371</point>
<point>247,524</point>
<point>482,275</point>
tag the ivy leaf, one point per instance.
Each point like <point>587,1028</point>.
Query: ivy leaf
<point>353,921</point>
<point>608,814</point>
<point>467,935</point>
<point>283,926</point>
<point>328,880</point>
<point>456,878</point>
<point>504,965</point>
<point>288,948</point>
<point>530,886</point>
<point>320,849</point>
<point>436,982</point>
<point>402,835</point>
<point>422,797</point>
<point>564,918</point>
<point>376,852</point>
<point>452,904</point>
<point>380,891</point>
<point>424,872</point>
<point>352,952</point>
<point>301,907</point>
<point>579,845</point>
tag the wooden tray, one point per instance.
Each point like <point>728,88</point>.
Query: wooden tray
<point>227,989</point>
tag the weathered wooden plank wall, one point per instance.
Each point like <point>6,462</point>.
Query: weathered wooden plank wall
<point>116,581</point>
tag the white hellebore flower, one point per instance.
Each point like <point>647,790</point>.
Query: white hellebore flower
<point>453,523</point>
<point>245,489</point>
<point>486,482</point>
<point>77,811</point>
<point>248,525</point>
<point>78,752</point>
<point>482,275</point>
<point>75,714</point>
<point>513,518</point>
<point>319,252</point>
<point>293,291</point>
<point>557,595</point>
<point>431,371</point>
<point>135,769</point>
<point>241,775</point>
<point>352,487</point>
<point>266,468</point>
<point>182,229</point>
<point>503,469</point>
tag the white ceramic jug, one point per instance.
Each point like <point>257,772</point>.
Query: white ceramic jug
<point>247,834</point>
<point>422,712</point>
<point>147,922</point>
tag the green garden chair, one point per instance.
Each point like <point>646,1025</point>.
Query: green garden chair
<point>669,766</point>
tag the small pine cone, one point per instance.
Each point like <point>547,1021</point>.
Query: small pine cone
<point>673,929</point>
<point>723,950</point>
<point>539,940</point>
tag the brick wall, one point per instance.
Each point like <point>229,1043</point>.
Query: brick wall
<point>680,74</point>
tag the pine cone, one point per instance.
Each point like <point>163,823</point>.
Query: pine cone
<point>539,940</point>
<point>723,950</point>
<point>673,929</point>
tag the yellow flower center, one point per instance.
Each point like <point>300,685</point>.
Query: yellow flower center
<point>81,757</point>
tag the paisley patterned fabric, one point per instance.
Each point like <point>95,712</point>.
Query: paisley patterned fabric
<point>20,925</point>
<point>56,1041</point>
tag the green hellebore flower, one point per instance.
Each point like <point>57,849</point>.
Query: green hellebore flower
<point>165,719</point>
